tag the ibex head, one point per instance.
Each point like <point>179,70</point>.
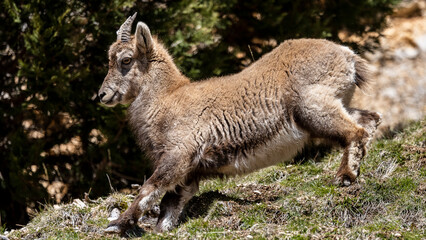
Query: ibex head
<point>128,63</point>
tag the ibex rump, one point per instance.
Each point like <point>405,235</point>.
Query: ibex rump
<point>234,124</point>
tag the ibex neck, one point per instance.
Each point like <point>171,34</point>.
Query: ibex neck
<point>162,82</point>
<point>170,78</point>
<point>148,107</point>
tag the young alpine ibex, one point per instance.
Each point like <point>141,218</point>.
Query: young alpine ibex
<point>235,124</point>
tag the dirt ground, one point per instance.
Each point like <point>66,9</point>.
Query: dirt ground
<point>399,67</point>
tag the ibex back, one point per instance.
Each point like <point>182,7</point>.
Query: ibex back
<point>234,124</point>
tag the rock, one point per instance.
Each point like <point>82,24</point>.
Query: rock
<point>3,237</point>
<point>257,192</point>
<point>79,203</point>
<point>112,229</point>
<point>373,56</point>
<point>406,52</point>
<point>410,9</point>
<point>115,213</point>
<point>390,92</point>
<point>421,42</point>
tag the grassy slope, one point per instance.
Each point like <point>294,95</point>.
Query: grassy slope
<point>294,201</point>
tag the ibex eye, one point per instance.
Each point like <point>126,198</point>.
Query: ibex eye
<point>126,61</point>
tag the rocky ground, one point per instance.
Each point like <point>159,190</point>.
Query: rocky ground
<point>399,67</point>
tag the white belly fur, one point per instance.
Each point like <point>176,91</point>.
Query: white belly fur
<point>279,149</point>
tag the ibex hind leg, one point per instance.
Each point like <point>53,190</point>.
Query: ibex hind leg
<point>326,117</point>
<point>165,178</point>
<point>172,204</point>
<point>369,120</point>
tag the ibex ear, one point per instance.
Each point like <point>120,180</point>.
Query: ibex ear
<point>144,42</point>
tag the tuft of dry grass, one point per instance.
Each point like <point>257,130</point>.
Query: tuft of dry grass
<point>76,220</point>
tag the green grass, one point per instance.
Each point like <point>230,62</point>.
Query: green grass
<point>287,201</point>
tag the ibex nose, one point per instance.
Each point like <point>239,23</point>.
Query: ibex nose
<point>101,95</point>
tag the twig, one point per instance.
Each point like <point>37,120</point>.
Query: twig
<point>251,53</point>
<point>127,177</point>
<point>110,185</point>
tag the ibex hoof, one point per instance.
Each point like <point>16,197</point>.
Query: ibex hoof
<point>113,229</point>
<point>343,181</point>
<point>120,225</point>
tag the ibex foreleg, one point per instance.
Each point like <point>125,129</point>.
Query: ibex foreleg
<point>173,203</point>
<point>168,174</point>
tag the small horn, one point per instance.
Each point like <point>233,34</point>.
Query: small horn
<point>124,33</point>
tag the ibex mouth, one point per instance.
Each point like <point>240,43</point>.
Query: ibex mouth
<point>113,100</point>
